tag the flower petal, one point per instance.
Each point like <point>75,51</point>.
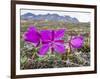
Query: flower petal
<point>59,33</point>
<point>46,35</point>
<point>43,50</point>
<point>32,28</point>
<point>60,41</point>
<point>32,35</point>
<point>77,42</point>
<point>59,48</point>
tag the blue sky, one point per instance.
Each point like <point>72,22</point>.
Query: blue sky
<point>81,16</point>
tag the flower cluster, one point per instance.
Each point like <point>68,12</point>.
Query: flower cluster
<point>50,40</point>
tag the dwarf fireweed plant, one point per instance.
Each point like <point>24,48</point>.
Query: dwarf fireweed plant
<point>51,39</point>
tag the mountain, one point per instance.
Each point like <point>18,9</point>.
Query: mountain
<point>49,17</point>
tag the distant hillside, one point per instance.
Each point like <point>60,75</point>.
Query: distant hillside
<point>49,17</point>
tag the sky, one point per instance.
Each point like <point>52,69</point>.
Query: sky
<point>81,16</point>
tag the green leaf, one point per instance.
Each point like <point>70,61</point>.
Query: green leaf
<point>23,60</point>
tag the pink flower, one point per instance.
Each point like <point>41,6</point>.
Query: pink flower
<point>52,39</point>
<point>77,41</point>
<point>32,35</point>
